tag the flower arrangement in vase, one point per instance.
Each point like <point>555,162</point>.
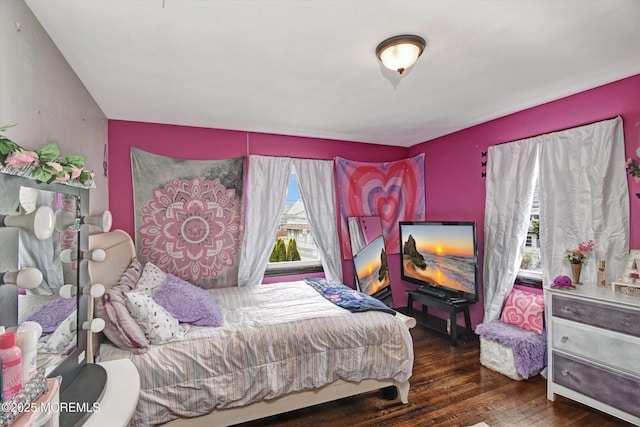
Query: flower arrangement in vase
<point>578,256</point>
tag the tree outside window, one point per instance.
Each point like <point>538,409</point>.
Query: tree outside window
<point>294,249</point>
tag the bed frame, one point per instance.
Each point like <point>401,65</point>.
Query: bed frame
<point>120,250</point>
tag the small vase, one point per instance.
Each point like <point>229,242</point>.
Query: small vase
<point>575,270</point>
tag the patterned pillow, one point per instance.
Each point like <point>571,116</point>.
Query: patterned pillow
<point>121,329</point>
<point>188,303</point>
<point>524,309</point>
<point>158,325</point>
<point>151,279</point>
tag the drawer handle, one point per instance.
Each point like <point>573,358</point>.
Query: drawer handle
<point>567,309</point>
<point>564,339</point>
<point>566,373</point>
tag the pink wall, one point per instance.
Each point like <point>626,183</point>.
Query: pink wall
<point>454,186</point>
<point>455,159</point>
<point>201,143</point>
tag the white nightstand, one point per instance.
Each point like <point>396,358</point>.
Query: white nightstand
<point>120,395</point>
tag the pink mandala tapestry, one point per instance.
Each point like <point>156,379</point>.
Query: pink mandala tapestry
<point>189,216</point>
<point>393,191</point>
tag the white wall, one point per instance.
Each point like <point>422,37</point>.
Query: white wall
<point>45,98</point>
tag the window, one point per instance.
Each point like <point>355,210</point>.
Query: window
<point>294,250</point>
<point>530,273</point>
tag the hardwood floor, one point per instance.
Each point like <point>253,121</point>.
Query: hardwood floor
<point>449,387</point>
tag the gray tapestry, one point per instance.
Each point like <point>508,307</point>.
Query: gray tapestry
<point>189,216</point>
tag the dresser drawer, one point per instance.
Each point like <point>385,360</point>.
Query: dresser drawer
<point>613,349</point>
<point>605,316</point>
<point>611,387</point>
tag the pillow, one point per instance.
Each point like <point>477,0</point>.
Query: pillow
<point>52,314</point>
<point>158,325</point>
<point>188,303</point>
<point>524,309</point>
<point>151,279</point>
<point>121,329</point>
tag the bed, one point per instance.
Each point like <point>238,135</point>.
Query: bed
<point>281,347</point>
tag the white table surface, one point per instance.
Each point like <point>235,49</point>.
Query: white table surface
<point>120,395</point>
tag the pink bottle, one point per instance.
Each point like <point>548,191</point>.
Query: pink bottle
<point>11,365</point>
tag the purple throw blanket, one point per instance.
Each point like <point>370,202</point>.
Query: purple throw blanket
<point>529,348</point>
<point>345,297</point>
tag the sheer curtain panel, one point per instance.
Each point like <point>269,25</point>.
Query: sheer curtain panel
<point>315,178</point>
<point>268,178</point>
<point>584,195</point>
<point>511,172</point>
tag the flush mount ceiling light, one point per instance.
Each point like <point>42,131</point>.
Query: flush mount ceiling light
<point>400,52</point>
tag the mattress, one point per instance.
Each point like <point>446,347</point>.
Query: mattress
<point>275,339</point>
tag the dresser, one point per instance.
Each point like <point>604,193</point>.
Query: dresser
<point>594,349</point>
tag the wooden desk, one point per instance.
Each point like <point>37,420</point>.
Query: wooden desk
<point>452,308</point>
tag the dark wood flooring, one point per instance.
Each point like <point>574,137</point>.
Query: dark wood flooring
<point>449,387</point>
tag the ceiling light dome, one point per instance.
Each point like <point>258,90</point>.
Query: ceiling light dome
<point>400,52</point>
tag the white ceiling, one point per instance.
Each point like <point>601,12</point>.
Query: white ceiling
<point>308,68</point>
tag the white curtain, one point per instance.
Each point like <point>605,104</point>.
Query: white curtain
<point>583,196</point>
<point>268,178</point>
<point>510,182</point>
<point>315,178</point>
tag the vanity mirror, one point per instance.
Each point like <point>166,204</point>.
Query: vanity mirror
<point>362,231</point>
<point>30,243</point>
<point>59,302</point>
<point>369,257</point>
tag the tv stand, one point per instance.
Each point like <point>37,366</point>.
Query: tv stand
<point>432,292</point>
<point>451,305</point>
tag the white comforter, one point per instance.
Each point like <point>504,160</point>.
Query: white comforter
<point>275,339</point>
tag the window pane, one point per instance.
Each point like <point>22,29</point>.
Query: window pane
<point>531,265</point>
<point>294,247</point>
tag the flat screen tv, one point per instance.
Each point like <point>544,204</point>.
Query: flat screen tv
<point>441,257</point>
<point>372,271</point>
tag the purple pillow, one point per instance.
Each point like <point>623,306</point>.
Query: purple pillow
<point>52,314</point>
<point>188,303</point>
<point>121,329</point>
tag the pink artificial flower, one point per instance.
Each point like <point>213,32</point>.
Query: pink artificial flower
<point>628,162</point>
<point>57,166</point>
<point>75,172</point>
<point>64,178</point>
<point>586,247</point>
<point>20,158</point>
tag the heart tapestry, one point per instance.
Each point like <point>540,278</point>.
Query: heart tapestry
<point>189,216</point>
<point>393,191</point>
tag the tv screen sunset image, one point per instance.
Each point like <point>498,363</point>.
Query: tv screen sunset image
<point>440,254</point>
<point>371,267</point>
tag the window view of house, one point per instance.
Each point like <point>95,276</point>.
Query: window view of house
<point>294,248</point>
<point>531,265</point>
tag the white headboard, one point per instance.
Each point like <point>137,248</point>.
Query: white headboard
<point>120,251</point>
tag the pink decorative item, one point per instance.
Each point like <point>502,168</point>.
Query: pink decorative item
<point>524,309</point>
<point>192,227</point>
<point>189,216</point>
<point>381,189</point>
<point>563,282</point>
<point>20,158</point>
